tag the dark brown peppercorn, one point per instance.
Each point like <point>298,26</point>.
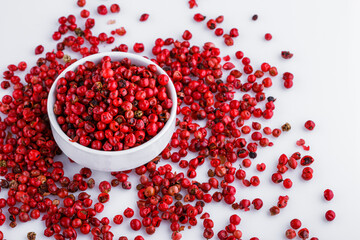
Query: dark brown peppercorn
<point>178,196</point>
<point>2,163</point>
<point>13,224</point>
<point>286,127</point>
<point>4,183</point>
<point>56,202</point>
<point>91,183</point>
<point>115,182</point>
<point>79,32</point>
<point>255,17</point>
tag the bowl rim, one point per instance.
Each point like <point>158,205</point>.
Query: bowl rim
<point>97,57</point>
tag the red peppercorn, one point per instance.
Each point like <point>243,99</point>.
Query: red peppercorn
<point>303,233</point>
<point>295,223</point>
<point>258,203</point>
<point>219,31</point>
<point>268,36</point>
<point>114,8</point>
<point>290,234</point>
<point>128,213</point>
<point>138,47</point>
<point>244,204</point>
<point>307,173</point>
<point>287,183</point>
<point>84,14</point>
<point>187,35</point>
<point>234,32</point>
<point>274,210</point>
<point>328,195</point>
<point>211,24</point>
<point>330,215</point>
<point>102,10</point>
<point>309,125</point>
<point>81,3</point>
<point>276,178</point>
<point>219,19</point>
<point>286,55</point>
<point>39,49</point>
<point>135,224</point>
<point>229,42</point>
<point>235,219</point>
<point>198,17</point>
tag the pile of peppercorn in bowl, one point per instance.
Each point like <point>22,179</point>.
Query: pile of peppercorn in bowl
<point>112,111</point>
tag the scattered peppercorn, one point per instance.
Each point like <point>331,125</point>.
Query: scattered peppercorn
<point>31,236</point>
<point>286,127</point>
<point>268,36</point>
<point>309,125</point>
<point>286,55</point>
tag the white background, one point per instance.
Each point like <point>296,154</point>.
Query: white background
<point>323,35</point>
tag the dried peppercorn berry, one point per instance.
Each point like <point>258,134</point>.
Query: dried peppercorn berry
<point>307,173</point>
<point>235,219</point>
<point>219,19</point>
<point>144,17</point>
<point>330,215</point>
<point>187,35</point>
<point>39,49</point>
<point>306,160</point>
<point>128,213</point>
<point>239,54</point>
<point>192,4</point>
<point>303,233</point>
<point>276,178</point>
<point>135,224</point>
<point>268,36</point>
<point>138,47</point>
<point>120,118</point>
<point>234,32</point>
<point>295,223</point>
<point>211,24</point>
<point>81,3</point>
<point>198,17</point>
<point>255,17</point>
<point>286,55</point>
<point>287,183</point>
<point>219,32</point>
<point>258,203</point>
<point>328,194</point>
<point>84,14</point>
<point>309,125</point>
<point>102,10</point>
<point>114,8</point>
<point>290,234</point>
<point>275,210</point>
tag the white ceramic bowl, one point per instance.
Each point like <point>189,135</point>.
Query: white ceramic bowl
<point>113,160</point>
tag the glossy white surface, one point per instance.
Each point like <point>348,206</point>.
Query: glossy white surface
<point>325,42</point>
<point>112,160</point>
